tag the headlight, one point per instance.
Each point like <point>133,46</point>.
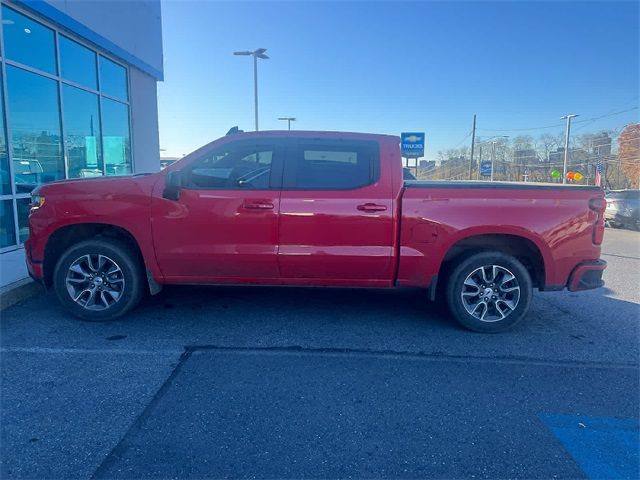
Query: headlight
<point>36,202</point>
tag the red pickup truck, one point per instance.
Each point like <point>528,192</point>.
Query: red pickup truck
<point>313,208</point>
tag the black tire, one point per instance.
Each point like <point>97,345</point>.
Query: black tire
<point>130,273</point>
<point>469,268</point>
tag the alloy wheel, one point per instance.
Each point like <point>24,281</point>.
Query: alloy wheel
<point>95,282</point>
<point>490,293</point>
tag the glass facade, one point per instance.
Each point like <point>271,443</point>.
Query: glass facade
<point>115,134</point>
<point>64,113</point>
<point>82,137</point>
<point>78,63</point>
<point>113,79</point>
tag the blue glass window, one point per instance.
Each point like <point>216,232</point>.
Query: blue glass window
<point>7,230</point>
<point>5,176</point>
<point>81,132</point>
<point>28,42</point>
<point>77,63</point>
<point>34,114</point>
<point>24,205</point>
<point>113,79</point>
<point>115,137</point>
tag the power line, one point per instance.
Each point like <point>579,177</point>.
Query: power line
<point>520,129</point>
<point>591,120</point>
<point>595,119</point>
<point>461,141</point>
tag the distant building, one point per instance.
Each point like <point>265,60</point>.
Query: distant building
<point>600,144</point>
<point>525,157</point>
<point>427,164</point>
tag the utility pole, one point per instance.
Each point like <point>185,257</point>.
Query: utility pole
<point>568,118</point>
<point>473,143</point>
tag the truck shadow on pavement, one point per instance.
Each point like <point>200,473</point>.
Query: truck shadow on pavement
<point>292,311</point>
<point>582,326</point>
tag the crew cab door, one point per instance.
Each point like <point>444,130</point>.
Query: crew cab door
<point>336,215</point>
<point>224,225</point>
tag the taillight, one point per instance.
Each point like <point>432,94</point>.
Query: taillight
<point>598,205</point>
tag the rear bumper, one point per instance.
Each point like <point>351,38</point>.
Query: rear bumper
<point>587,275</point>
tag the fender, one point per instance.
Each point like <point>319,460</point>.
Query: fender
<point>422,259</point>
<point>537,240</point>
<point>138,235</point>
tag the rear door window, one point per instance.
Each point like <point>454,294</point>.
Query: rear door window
<point>330,164</point>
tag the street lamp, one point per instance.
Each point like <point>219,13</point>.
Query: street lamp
<point>566,144</point>
<point>288,120</point>
<point>256,54</point>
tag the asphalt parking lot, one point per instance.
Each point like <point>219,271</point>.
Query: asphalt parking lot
<point>288,383</point>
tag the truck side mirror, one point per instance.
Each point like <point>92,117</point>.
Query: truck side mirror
<point>172,186</point>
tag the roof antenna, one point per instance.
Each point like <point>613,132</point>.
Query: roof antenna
<point>234,130</point>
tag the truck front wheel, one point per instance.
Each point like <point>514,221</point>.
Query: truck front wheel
<point>489,292</point>
<point>98,280</point>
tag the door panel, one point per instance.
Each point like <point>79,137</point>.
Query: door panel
<point>217,233</point>
<point>225,223</point>
<point>335,234</point>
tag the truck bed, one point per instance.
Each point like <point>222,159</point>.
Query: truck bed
<point>556,220</point>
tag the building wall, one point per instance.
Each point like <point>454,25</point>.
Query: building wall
<point>133,25</point>
<point>126,32</point>
<point>144,122</point>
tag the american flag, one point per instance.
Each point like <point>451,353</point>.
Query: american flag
<point>599,172</point>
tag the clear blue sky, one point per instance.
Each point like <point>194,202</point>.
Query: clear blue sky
<point>389,67</point>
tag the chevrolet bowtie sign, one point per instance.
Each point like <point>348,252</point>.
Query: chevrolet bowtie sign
<point>412,145</point>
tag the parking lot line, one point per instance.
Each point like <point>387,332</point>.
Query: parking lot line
<point>89,351</point>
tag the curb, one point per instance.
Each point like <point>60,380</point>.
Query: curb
<point>18,291</point>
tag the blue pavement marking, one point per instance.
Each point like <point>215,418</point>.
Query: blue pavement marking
<point>603,447</point>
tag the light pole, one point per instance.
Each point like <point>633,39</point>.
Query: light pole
<point>289,120</point>
<point>568,118</point>
<point>256,54</point>
<point>493,158</point>
<point>493,153</point>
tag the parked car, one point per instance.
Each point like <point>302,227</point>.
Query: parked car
<point>623,208</point>
<point>313,208</point>
<point>165,162</point>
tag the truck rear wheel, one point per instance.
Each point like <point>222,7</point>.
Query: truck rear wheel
<point>98,280</point>
<point>489,292</point>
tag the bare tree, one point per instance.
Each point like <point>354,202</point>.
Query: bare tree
<point>547,143</point>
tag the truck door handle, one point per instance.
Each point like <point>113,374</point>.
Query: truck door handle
<point>258,205</point>
<point>371,207</point>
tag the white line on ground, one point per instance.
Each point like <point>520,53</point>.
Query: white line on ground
<point>92,351</point>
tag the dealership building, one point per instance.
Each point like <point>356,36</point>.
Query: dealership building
<point>78,99</point>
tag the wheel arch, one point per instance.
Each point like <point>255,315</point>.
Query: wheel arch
<point>526,250</point>
<point>68,235</point>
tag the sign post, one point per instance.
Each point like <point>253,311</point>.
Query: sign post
<point>412,146</point>
<point>485,168</point>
